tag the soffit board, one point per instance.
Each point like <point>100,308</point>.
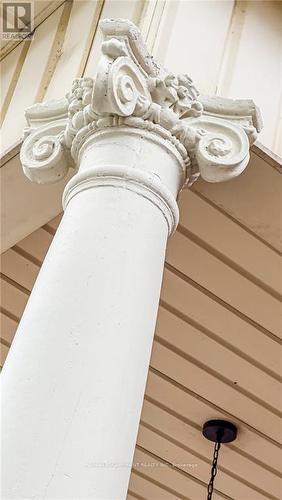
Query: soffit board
<point>42,10</point>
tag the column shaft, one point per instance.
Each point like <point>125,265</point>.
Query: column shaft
<point>75,377</point>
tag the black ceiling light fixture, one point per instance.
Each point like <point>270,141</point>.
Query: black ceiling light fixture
<point>218,431</point>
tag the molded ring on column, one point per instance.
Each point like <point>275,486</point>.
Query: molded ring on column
<point>135,180</point>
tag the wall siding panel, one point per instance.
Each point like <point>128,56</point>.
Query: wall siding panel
<point>198,31</point>
<point>194,410</point>
<point>13,298</point>
<point>42,10</point>
<point>172,479</point>
<point>253,199</point>
<point>224,282</point>
<point>75,47</point>
<point>28,87</point>
<point>189,301</point>
<point>172,448</point>
<point>11,68</point>
<point>207,362</point>
<point>223,237</point>
<point>255,38</point>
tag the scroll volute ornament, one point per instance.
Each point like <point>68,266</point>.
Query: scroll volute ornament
<point>44,158</point>
<point>213,135</point>
<point>119,82</point>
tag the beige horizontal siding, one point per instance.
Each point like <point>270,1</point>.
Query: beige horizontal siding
<point>229,285</point>
<point>230,242</point>
<point>212,357</point>
<point>160,478</point>
<point>229,326</point>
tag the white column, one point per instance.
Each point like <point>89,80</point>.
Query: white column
<point>74,380</point>
<point>74,383</point>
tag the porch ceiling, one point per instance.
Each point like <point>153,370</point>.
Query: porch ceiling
<point>217,348</point>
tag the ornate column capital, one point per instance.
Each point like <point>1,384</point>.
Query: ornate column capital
<point>211,134</point>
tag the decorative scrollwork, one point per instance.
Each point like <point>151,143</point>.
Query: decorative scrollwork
<point>123,87</point>
<point>119,92</point>
<point>43,148</point>
<point>223,150</point>
<point>219,146</point>
<point>211,133</point>
<point>43,156</point>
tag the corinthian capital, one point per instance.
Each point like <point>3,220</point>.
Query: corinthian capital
<point>131,89</point>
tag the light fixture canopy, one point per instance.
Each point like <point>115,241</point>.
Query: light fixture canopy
<point>220,431</point>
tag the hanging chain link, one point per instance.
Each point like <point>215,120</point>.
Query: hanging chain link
<point>213,469</point>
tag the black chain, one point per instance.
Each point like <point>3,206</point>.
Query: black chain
<point>213,469</point>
